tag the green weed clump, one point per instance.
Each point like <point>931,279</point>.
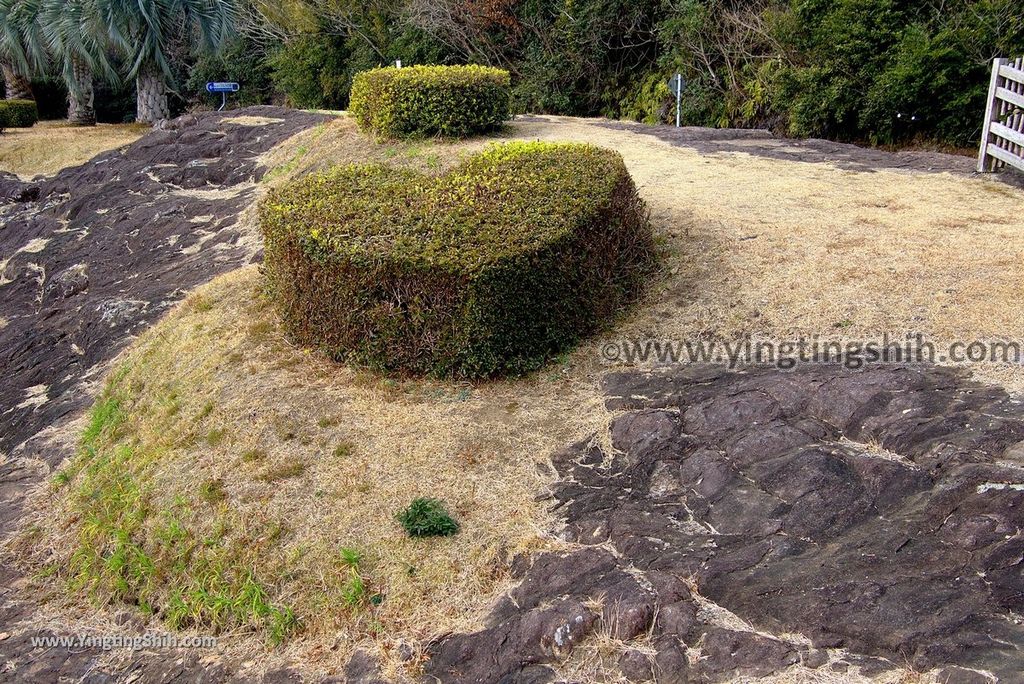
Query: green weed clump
<point>427,518</point>
<point>18,114</point>
<point>490,269</point>
<point>450,101</point>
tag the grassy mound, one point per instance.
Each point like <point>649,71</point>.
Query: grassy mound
<point>230,483</point>
<point>490,269</point>
<point>451,101</point>
<point>18,114</point>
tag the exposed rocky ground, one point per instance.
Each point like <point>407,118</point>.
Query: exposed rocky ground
<point>858,521</point>
<point>878,512</point>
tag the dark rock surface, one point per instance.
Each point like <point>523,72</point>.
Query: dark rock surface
<point>761,487</point>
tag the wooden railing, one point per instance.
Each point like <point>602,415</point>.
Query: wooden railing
<point>1002,136</point>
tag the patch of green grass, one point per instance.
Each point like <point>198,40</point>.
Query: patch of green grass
<point>350,557</point>
<point>283,471</point>
<point>130,549</point>
<point>353,590</point>
<point>61,479</point>
<point>216,436</point>
<point>344,449</point>
<point>221,601</point>
<point>105,418</point>
<point>254,456</point>
<point>212,491</point>
<point>114,505</point>
<point>205,411</point>
<point>427,517</point>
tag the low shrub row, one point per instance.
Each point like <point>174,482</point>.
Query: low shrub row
<point>492,268</point>
<point>18,114</point>
<point>450,101</point>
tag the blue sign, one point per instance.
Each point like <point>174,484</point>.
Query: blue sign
<point>222,87</point>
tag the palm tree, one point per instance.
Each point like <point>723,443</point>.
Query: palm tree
<point>144,28</point>
<point>78,34</point>
<point>22,48</point>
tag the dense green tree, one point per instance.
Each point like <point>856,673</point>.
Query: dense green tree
<point>77,33</point>
<point>312,69</point>
<point>145,30</point>
<point>22,47</point>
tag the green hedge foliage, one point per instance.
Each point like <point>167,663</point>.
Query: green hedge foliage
<point>18,114</point>
<point>492,268</point>
<point>451,101</point>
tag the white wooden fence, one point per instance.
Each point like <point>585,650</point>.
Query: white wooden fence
<point>1002,136</point>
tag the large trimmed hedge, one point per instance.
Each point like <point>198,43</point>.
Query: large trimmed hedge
<point>18,114</point>
<point>450,101</point>
<point>492,268</point>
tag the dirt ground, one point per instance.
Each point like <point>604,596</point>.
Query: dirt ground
<point>754,246</point>
<point>50,146</point>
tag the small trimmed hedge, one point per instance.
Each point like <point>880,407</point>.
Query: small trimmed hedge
<point>418,101</point>
<point>18,114</point>
<point>492,268</point>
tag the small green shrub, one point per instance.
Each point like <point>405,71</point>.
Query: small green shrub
<point>452,101</point>
<point>18,114</point>
<point>427,518</point>
<point>493,268</point>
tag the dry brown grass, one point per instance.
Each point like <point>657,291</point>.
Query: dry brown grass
<point>50,146</point>
<point>752,246</point>
<point>249,408</point>
<point>758,246</point>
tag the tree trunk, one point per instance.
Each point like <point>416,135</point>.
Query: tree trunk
<point>81,111</point>
<point>151,98</point>
<point>17,86</point>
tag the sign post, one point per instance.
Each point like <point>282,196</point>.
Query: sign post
<point>223,88</point>
<point>676,85</point>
